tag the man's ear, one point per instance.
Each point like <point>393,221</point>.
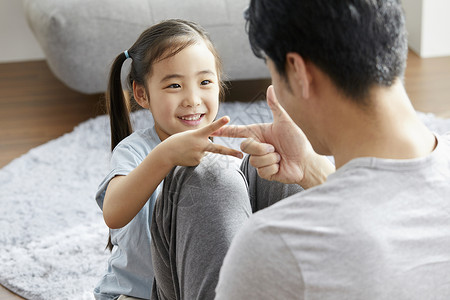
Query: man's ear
<point>140,95</point>
<point>297,70</point>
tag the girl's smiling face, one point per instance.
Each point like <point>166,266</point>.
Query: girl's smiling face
<point>183,91</point>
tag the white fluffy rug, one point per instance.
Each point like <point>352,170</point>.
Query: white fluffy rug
<point>52,234</point>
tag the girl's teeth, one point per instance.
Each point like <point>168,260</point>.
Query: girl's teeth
<point>191,118</point>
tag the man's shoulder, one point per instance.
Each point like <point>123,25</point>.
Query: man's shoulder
<point>444,139</point>
<point>336,203</point>
<point>293,214</point>
<point>322,197</point>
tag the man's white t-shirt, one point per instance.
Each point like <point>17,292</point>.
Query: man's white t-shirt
<point>377,229</point>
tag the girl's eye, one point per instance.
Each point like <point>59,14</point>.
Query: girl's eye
<point>205,82</point>
<point>174,86</point>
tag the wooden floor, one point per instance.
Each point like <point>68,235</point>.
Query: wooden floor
<point>427,82</point>
<point>35,107</point>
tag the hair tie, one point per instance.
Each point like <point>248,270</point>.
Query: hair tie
<point>126,54</point>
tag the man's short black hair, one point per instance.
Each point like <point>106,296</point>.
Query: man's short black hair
<point>358,43</point>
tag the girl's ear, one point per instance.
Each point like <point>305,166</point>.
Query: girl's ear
<point>140,95</point>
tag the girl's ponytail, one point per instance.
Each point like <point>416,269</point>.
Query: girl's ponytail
<point>118,109</point>
<point>117,105</point>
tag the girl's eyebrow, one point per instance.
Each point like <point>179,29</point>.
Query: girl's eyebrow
<point>171,76</point>
<point>208,72</point>
<point>179,76</point>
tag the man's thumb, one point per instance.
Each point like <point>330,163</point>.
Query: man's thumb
<point>276,108</point>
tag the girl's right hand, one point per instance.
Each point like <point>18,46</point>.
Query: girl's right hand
<point>189,147</point>
<point>126,195</point>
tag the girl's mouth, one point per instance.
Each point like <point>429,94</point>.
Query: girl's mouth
<point>192,120</point>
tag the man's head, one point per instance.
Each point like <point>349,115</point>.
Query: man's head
<point>357,43</point>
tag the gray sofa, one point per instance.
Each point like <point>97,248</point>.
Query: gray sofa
<point>80,38</point>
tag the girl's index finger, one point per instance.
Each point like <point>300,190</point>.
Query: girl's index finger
<point>214,126</point>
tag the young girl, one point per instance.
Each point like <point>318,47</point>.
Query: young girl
<point>176,74</point>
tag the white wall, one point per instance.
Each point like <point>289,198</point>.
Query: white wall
<point>428,26</point>
<point>17,42</point>
<point>413,14</point>
<point>436,28</point>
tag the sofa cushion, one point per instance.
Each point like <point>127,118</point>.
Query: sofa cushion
<point>80,38</point>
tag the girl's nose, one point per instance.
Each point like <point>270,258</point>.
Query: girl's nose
<point>191,100</point>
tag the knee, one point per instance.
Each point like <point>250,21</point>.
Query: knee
<point>217,177</point>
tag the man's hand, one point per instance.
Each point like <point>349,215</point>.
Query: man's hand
<point>280,151</point>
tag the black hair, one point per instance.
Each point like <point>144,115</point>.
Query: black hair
<point>358,43</point>
<point>157,43</point>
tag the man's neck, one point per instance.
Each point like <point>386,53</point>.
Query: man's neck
<point>388,128</point>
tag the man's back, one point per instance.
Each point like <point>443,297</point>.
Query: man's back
<point>377,229</point>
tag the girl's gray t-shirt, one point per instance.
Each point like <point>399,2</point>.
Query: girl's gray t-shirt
<point>129,269</point>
